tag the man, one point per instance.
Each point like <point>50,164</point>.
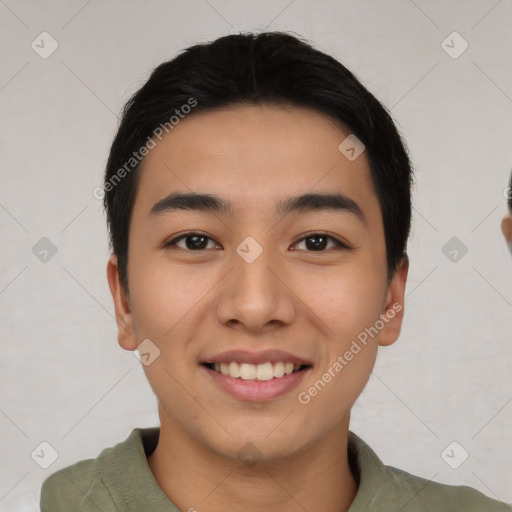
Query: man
<point>506,222</point>
<point>258,200</point>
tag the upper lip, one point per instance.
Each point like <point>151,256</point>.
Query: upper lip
<point>264,356</point>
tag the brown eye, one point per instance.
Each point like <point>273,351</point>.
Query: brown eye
<point>192,242</point>
<point>319,242</point>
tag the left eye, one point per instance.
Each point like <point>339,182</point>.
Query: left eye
<point>319,242</point>
<point>315,242</point>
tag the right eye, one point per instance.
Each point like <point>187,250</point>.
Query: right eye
<point>192,242</point>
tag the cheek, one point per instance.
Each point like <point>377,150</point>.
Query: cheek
<point>165,309</point>
<point>345,299</point>
<point>164,297</point>
<point>348,304</point>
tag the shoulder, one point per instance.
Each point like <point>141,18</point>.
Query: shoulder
<point>421,494</point>
<point>101,483</point>
<point>384,487</point>
<point>75,488</point>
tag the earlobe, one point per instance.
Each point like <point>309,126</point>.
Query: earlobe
<point>393,313</point>
<point>124,318</point>
<point>506,229</point>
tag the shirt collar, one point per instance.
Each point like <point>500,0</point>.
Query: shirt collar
<point>125,472</point>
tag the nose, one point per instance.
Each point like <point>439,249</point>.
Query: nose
<point>256,296</point>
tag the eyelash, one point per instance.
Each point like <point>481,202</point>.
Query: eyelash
<point>338,243</point>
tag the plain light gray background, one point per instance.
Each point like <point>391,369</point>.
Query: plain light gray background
<point>64,379</point>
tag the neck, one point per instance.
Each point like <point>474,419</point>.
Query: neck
<point>195,478</point>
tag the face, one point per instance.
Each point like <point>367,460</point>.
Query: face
<point>506,229</point>
<point>257,276</point>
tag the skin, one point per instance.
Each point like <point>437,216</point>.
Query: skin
<point>506,229</point>
<point>194,304</point>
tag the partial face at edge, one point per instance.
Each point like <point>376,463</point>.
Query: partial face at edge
<point>310,296</point>
<point>506,229</point>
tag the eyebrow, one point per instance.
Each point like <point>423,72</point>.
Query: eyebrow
<point>335,202</point>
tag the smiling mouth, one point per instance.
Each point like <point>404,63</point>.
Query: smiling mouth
<point>262,372</point>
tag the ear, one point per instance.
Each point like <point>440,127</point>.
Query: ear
<point>393,312</point>
<point>124,317</point>
<point>506,229</point>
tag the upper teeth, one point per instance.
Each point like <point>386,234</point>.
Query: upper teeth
<point>265,371</point>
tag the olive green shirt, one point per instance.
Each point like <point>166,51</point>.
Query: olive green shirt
<point>120,480</point>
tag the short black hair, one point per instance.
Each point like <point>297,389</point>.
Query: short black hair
<point>509,194</point>
<point>253,69</point>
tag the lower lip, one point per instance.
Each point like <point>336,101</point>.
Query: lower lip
<point>257,390</point>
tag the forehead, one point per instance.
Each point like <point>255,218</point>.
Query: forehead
<point>254,156</point>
